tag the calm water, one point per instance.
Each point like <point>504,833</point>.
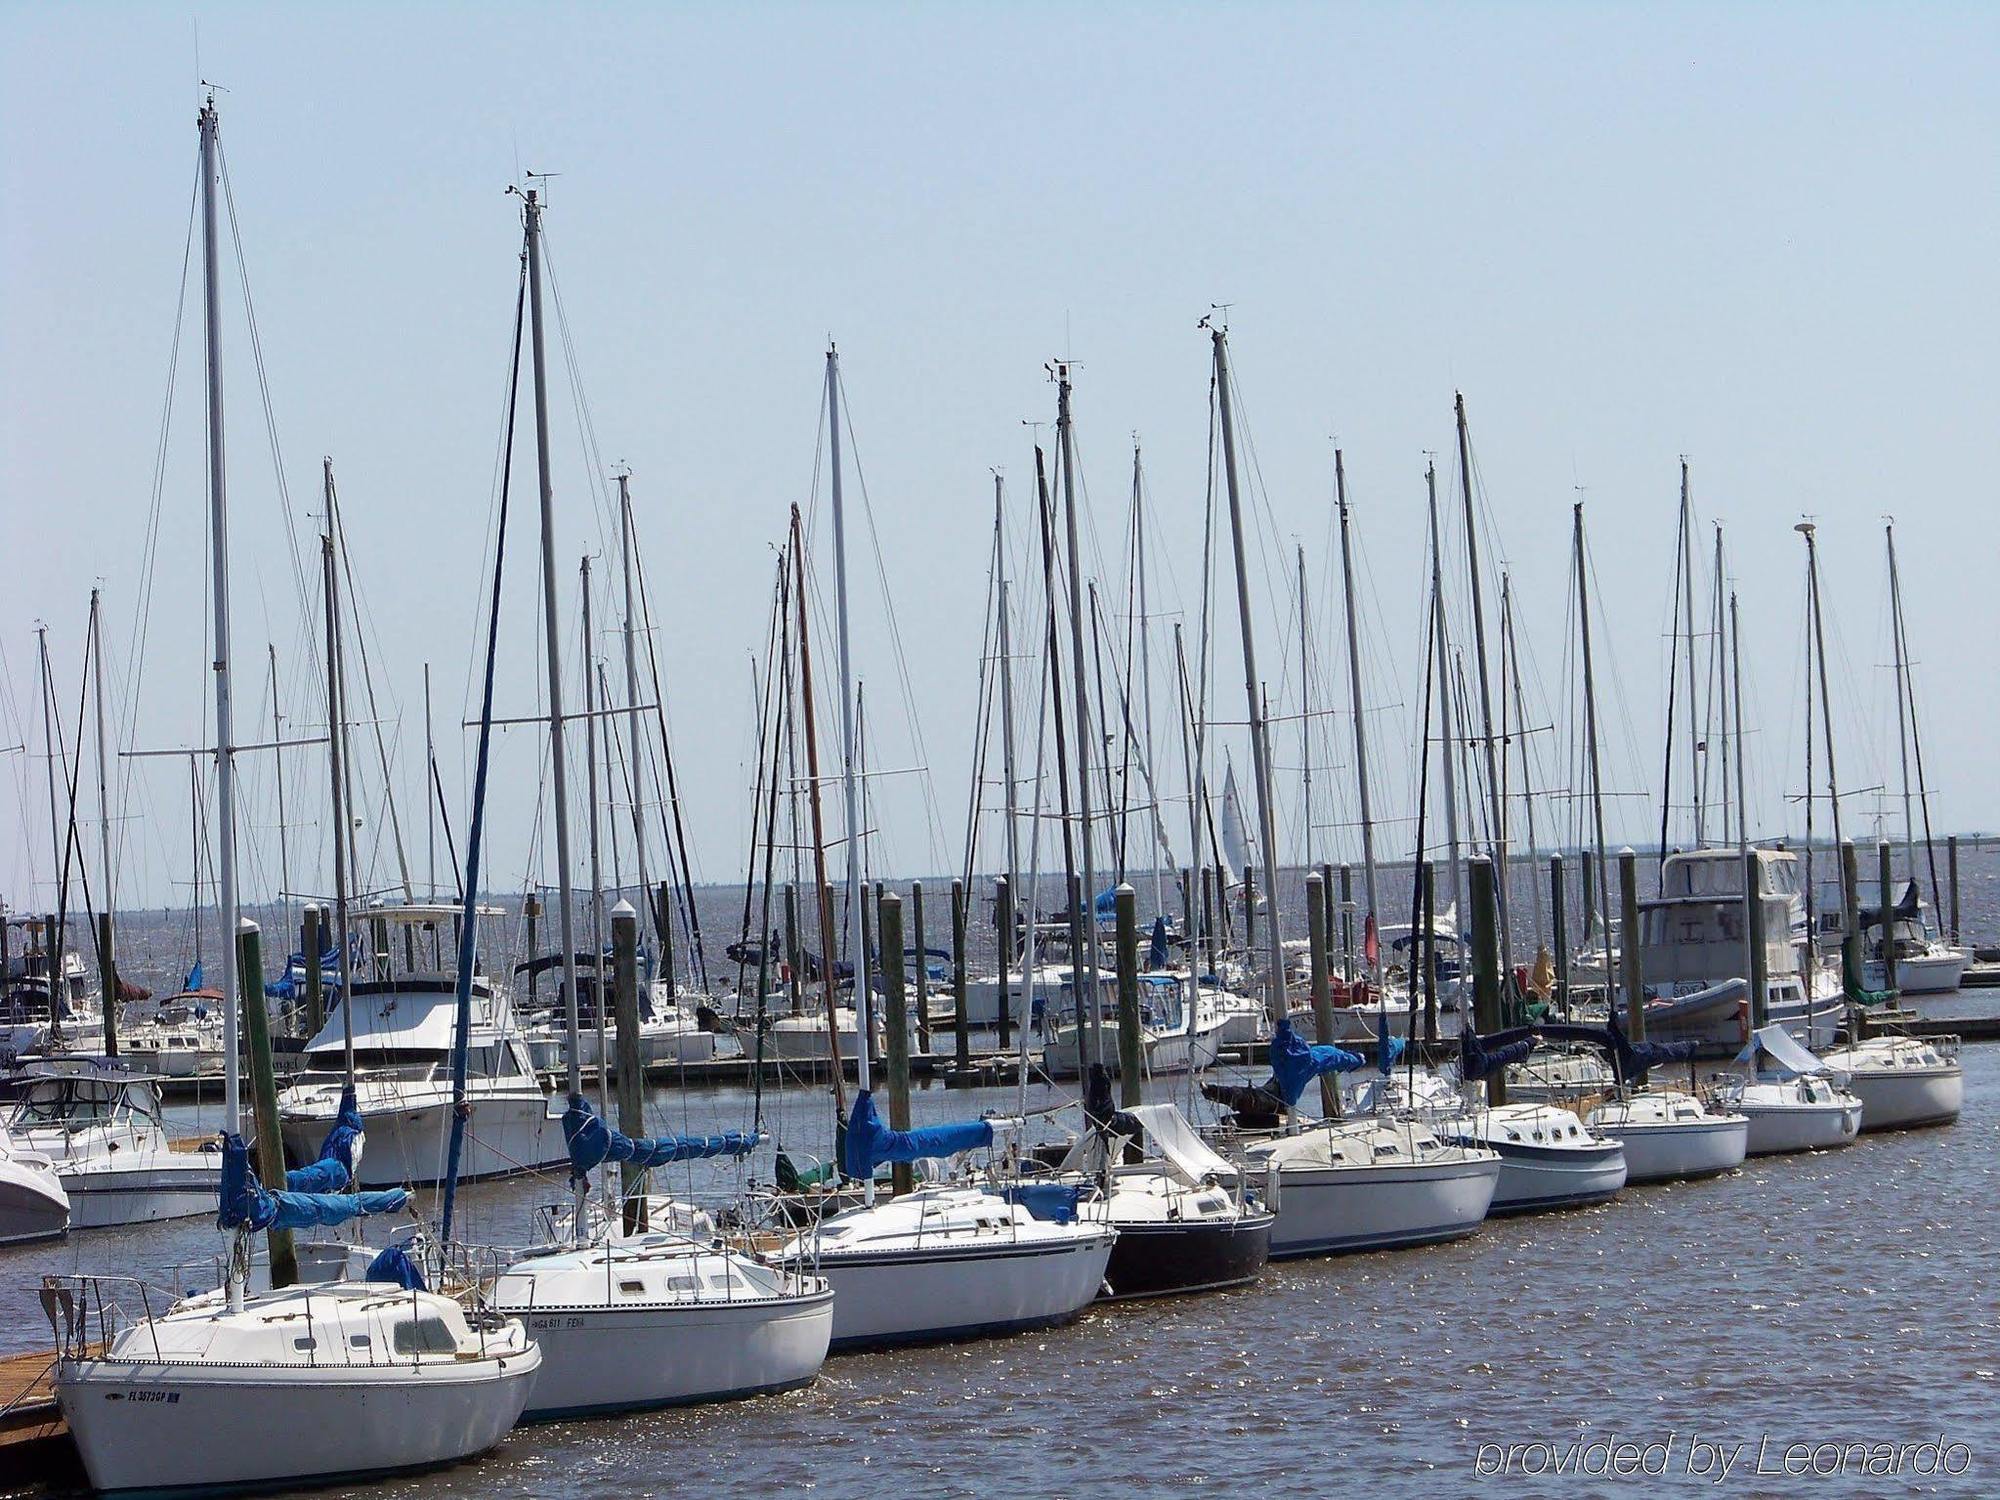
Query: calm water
<point>1845,1297</point>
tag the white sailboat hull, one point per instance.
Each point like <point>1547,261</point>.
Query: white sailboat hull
<point>1903,1099</point>
<point>605,1359</point>
<point>1171,1052</point>
<point>1926,974</point>
<point>508,1133</point>
<point>1536,1178</point>
<point>960,1292</point>
<point>1657,1152</point>
<point>1331,1210</point>
<point>1777,1129</point>
<point>143,1426</point>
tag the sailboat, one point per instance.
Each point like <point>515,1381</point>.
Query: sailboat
<point>1790,1098</point>
<point>943,1262</point>
<point>628,1317</point>
<point>1902,1081</point>
<point>312,1382</point>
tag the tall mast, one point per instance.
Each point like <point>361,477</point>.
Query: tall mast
<point>1687,594</point>
<point>278,775</point>
<point>1007,738</point>
<point>52,939</point>
<point>635,749</point>
<point>1590,738</point>
<point>1510,648</point>
<point>850,785</point>
<point>1260,743</point>
<point>1725,689</point>
<point>1146,664</point>
<point>225,726</point>
<point>1088,1018</point>
<point>430,796</point>
<point>1916,732</point>
<point>336,752</point>
<point>1360,726</point>
<point>1809,532</point>
<point>1498,839</point>
<point>552,641</point>
<point>1742,791</point>
<point>1305,712</point>
<point>823,893</point>
<point>1902,696</point>
<point>110,896</point>
<point>596,861</point>
<point>1448,762</point>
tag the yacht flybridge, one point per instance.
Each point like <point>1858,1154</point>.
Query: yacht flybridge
<point>401,1020</point>
<point>98,1126</point>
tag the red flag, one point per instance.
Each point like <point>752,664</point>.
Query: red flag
<point>1370,948</point>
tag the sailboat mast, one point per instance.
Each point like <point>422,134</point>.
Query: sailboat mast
<point>1448,762</point>
<point>1305,715</point>
<point>821,890</point>
<point>1146,666</point>
<point>1724,689</point>
<point>1510,648</point>
<point>598,994</point>
<point>1687,638</point>
<point>430,799</point>
<point>1902,697</point>
<point>1372,922</point>
<point>336,747</point>
<point>850,785</point>
<point>1498,839</point>
<point>109,901</point>
<point>1809,532</point>
<point>1007,737</point>
<point>52,944</point>
<point>1742,793</point>
<point>1260,744</point>
<point>635,748</point>
<point>225,725</point>
<point>552,642</point>
<point>1590,740</point>
<point>1088,1018</point>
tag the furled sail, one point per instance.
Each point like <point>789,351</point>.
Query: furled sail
<point>870,1143</point>
<point>1295,1062</point>
<point>593,1142</point>
<point>1482,1056</point>
<point>248,1204</point>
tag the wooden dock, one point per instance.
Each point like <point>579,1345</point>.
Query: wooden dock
<point>35,1446</point>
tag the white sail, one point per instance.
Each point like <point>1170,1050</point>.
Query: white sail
<point>1237,849</point>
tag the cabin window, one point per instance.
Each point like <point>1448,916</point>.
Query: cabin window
<point>683,1284</point>
<point>425,1336</point>
<point>359,1341</point>
<point>632,1288</point>
<point>308,1343</point>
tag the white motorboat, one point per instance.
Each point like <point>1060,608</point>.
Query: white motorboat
<point>1244,1019</point>
<point>1793,1105</point>
<point>1902,1081</point>
<point>307,1385</point>
<point>950,1263</point>
<point>1549,1158</point>
<point>183,1040</point>
<point>1694,958</point>
<point>1669,1135</point>
<point>1358,1015</point>
<point>1375,1183</point>
<point>1174,1035</point>
<point>99,1127</point>
<point>403,1027</point>
<point>33,1202</point>
<point>802,1037</point>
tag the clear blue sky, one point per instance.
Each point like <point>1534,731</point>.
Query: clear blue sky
<point>1761,236</point>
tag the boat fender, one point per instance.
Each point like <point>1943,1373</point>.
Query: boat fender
<point>1272,1186</point>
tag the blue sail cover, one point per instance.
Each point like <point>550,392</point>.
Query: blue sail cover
<point>292,983</point>
<point>1295,1062</point>
<point>870,1143</point>
<point>195,976</point>
<point>1482,1056</point>
<point>338,1147</point>
<point>395,1267</point>
<point>245,1203</point>
<point>592,1142</point>
<point>1156,945</point>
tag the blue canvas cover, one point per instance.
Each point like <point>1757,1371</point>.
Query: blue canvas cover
<point>1052,1202</point>
<point>395,1267</point>
<point>1295,1062</point>
<point>245,1203</point>
<point>593,1142</point>
<point>870,1142</point>
<point>1482,1056</point>
<point>1156,945</point>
